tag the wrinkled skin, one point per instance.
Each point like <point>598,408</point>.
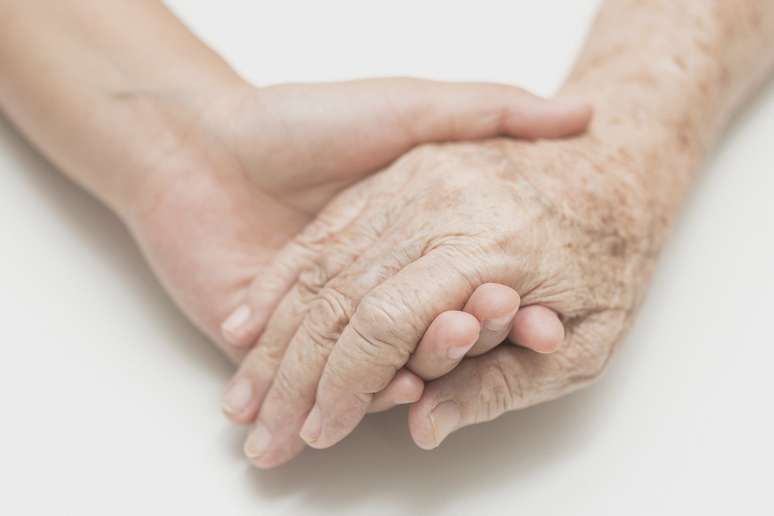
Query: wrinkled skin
<point>586,244</point>
<point>237,175</point>
<point>545,218</point>
<point>572,226</point>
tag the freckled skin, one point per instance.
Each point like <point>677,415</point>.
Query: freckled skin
<point>573,225</point>
<point>662,98</point>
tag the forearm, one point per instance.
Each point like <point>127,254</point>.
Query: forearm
<point>95,85</point>
<point>672,73</point>
<point>664,78</point>
<point>688,63</point>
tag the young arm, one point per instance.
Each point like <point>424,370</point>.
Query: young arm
<point>105,89</point>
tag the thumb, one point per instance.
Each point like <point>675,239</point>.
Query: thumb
<point>355,127</point>
<point>432,111</point>
<point>509,378</point>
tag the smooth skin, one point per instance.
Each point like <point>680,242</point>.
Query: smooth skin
<point>573,225</point>
<point>221,182</point>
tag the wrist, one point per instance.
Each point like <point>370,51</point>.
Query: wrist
<point>654,121</point>
<point>627,182</point>
<point>665,82</point>
<point>170,137</point>
<point>106,110</point>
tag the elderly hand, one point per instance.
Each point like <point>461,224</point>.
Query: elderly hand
<point>583,241</point>
<point>573,227</point>
<point>557,221</point>
<point>248,169</point>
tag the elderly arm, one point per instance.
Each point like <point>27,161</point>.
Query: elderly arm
<point>571,225</point>
<point>665,78</point>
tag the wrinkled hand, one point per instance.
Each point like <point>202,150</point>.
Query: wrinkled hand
<point>551,220</point>
<point>237,173</point>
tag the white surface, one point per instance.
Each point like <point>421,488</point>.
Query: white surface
<point>110,400</point>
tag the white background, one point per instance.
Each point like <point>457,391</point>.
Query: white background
<point>109,399</point>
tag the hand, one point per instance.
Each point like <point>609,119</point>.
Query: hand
<point>585,244</point>
<point>244,171</point>
<point>540,218</point>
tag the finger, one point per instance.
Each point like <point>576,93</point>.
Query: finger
<point>379,120</point>
<point>242,328</point>
<point>479,389</point>
<point>432,111</point>
<point>258,368</point>
<point>537,328</point>
<point>450,336</point>
<point>482,388</point>
<point>275,327</point>
<point>405,387</point>
<point>509,378</point>
<point>247,321</point>
<point>441,111</point>
<point>490,310</point>
<point>260,365</point>
<point>292,392</point>
<point>380,337</point>
<point>495,306</point>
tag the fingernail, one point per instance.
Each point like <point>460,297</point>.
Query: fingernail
<point>499,324</point>
<point>444,418</point>
<point>405,400</point>
<point>257,442</point>
<point>312,428</point>
<point>238,396</point>
<point>235,321</point>
<point>458,352</point>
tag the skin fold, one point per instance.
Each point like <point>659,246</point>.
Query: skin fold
<point>572,225</point>
<point>220,182</point>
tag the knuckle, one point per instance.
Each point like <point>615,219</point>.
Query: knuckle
<point>364,367</point>
<point>337,301</point>
<point>382,333</point>
<point>395,316</point>
<point>328,314</point>
<point>500,391</point>
<point>592,343</point>
<point>331,309</point>
<point>311,281</point>
<point>284,387</point>
<point>576,367</point>
<point>324,321</point>
<point>262,358</point>
<point>586,365</point>
<point>314,237</point>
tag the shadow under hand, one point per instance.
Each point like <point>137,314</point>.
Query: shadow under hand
<point>379,461</point>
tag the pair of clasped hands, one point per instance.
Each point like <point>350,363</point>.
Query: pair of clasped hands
<point>347,268</point>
